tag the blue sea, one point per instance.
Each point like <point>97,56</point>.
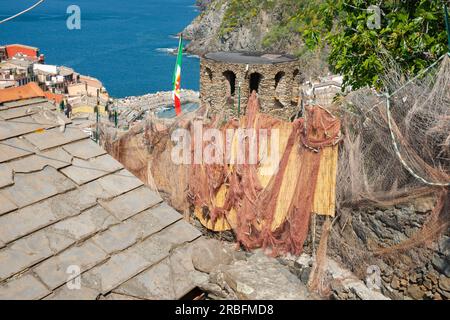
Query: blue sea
<point>123,43</point>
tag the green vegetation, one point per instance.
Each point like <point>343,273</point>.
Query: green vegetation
<point>240,12</point>
<point>412,31</point>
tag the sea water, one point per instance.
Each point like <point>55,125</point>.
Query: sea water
<point>125,44</point>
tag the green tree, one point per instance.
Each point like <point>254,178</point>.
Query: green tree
<point>412,31</point>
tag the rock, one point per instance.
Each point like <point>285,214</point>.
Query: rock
<point>427,284</point>
<point>441,264</point>
<point>433,276</point>
<point>207,254</point>
<point>351,283</point>
<point>395,284</point>
<point>444,245</point>
<point>244,278</point>
<point>437,296</point>
<point>305,275</point>
<point>305,260</point>
<point>415,292</point>
<point>414,278</point>
<point>403,282</point>
<point>443,293</point>
<point>444,283</point>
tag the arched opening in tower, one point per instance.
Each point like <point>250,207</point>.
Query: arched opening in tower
<point>230,76</point>
<point>278,78</point>
<point>255,80</point>
<point>280,89</point>
<point>209,73</point>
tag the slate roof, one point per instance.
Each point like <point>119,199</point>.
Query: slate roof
<point>65,202</point>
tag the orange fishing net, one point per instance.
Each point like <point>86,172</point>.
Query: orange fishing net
<point>273,211</point>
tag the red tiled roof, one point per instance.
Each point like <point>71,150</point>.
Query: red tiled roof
<point>28,91</point>
<point>13,49</point>
<point>54,96</point>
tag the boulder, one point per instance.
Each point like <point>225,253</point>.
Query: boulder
<point>444,283</point>
<point>442,264</point>
<point>263,278</point>
<point>415,292</point>
<point>207,254</point>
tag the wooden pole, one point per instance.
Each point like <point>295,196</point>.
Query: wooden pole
<point>239,101</point>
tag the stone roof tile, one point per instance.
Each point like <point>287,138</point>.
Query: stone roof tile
<point>26,287</point>
<point>86,224</point>
<point>83,171</point>
<point>6,205</point>
<point>6,176</point>
<point>37,186</point>
<point>53,272</point>
<point>137,228</point>
<point>13,148</point>
<point>56,158</point>
<point>34,217</point>
<point>11,129</point>
<point>84,149</point>
<point>23,111</point>
<point>25,252</point>
<point>166,280</point>
<point>120,268</point>
<point>133,202</point>
<point>54,137</point>
<point>119,183</point>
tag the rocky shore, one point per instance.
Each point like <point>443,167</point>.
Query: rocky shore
<point>133,108</point>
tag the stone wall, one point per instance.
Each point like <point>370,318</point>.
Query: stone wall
<point>420,272</point>
<point>277,89</point>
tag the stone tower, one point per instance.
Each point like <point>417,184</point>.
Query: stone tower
<point>275,77</point>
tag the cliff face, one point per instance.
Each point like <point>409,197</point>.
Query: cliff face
<point>231,25</point>
<point>255,25</point>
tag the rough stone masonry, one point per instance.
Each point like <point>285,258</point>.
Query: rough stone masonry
<point>275,77</point>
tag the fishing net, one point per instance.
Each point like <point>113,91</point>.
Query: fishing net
<point>397,145</point>
<point>271,213</point>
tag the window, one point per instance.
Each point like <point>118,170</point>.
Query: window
<point>230,77</point>
<point>280,75</point>
<point>209,73</point>
<point>255,80</point>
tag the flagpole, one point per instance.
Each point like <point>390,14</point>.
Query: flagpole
<point>177,78</point>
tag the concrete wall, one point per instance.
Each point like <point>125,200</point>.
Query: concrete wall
<point>278,87</point>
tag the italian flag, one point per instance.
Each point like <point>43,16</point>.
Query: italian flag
<point>177,79</point>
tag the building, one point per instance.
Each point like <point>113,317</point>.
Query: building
<point>275,77</point>
<point>19,49</point>
<point>4,84</point>
<point>88,86</point>
<point>29,91</point>
<point>19,70</point>
<point>325,92</point>
<point>3,55</point>
<point>55,97</point>
<point>69,75</point>
<point>53,78</point>
<point>65,202</point>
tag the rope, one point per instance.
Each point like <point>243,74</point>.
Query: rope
<point>22,12</point>
<point>397,150</point>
